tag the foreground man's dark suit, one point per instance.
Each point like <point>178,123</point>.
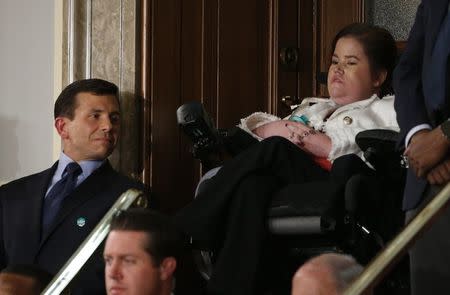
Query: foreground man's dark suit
<point>20,223</point>
<point>430,256</point>
<point>411,103</point>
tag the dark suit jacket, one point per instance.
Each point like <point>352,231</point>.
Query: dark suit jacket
<point>20,223</point>
<point>411,103</point>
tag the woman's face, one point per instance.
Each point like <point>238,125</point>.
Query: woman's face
<point>350,77</point>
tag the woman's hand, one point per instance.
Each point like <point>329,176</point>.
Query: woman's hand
<point>280,128</point>
<point>306,138</point>
<point>275,128</point>
<point>309,140</point>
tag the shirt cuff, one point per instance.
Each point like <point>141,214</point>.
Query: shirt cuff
<point>414,131</point>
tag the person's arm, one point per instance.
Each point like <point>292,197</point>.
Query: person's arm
<point>426,150</point>
<point>440,174</point>
<point>254,124</point>
<point>413,131</point>
<point>309,140</point>
<point>426,147</point>
<point>2,242</point>
<point>409,101</point>
<point>262,125</point>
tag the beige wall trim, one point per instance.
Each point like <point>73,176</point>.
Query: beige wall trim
<point>99,41</point>
<point>57,68</point>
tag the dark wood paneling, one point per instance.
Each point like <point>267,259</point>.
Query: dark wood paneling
<point>288,37</point>
<point>296,28</point>
<point>208,51</point>
<point>165,98</point>
<point>306,42</point>
<point>242,80</point>
<point>191,84</point>
<point>210,74</point>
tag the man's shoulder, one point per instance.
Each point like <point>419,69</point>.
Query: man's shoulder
<point>118,178</point>
<point>119,183</point>
<point>128,181</point>
<point>26,180</point>
<point>112,182</point>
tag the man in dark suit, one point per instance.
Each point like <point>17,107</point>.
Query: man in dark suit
<point>45,217</point>
<point>421,82</point>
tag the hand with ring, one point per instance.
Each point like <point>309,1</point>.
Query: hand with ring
<point>308,139</point>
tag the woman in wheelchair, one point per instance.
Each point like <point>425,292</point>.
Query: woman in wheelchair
<point>228,215</point>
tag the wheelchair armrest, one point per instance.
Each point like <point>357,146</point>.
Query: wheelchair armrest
<point>383,140</point>
<point>379,147</point>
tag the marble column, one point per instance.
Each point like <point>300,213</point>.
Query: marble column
<point>100,41</point>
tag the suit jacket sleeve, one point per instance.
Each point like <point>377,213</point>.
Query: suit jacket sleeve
<point>2,242</point>
<point>409,100</point>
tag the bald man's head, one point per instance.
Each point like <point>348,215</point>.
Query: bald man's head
<point>328,274</point>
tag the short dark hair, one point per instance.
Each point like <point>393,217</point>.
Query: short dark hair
<point>378,45</point>
<point>65,104</point>
<point>42,277</point>
<point>164,239</point>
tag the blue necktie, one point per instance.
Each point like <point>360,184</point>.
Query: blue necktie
<point>59,191</point>
<point>435,82</point>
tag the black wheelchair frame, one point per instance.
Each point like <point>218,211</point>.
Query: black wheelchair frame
<point>350,219</point>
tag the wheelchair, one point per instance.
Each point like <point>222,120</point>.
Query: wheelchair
<point>356,218</point>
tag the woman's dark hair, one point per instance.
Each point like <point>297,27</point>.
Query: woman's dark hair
<point>65,104</point>
<point>378,45</point>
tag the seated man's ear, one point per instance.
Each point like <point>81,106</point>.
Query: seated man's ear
<point>61,127</point>
<point>167,267</point>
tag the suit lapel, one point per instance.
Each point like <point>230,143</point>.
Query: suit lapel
<point>92,186</point>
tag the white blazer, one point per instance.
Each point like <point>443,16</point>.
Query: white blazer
<point>342,125</point>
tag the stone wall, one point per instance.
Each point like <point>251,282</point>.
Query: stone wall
<point>395,15</point>
<point>100,41</point>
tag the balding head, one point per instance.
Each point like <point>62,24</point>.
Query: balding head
<point>327,274</point>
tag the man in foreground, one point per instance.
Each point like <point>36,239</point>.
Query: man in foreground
<point>141,254</point>
<point>327,274</point>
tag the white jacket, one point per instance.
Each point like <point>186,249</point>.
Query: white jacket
<point>342,125</point>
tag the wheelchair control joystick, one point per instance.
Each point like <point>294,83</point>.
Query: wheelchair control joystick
<point>198,126</point>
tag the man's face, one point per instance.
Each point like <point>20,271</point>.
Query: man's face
<point>129,269</point>
<point>15,284</point>
<point>93,133</point>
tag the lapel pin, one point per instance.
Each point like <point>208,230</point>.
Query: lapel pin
<point>81,221</point>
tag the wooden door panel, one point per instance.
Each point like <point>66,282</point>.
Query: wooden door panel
<point>200,50</point>
<point>288,39</point>
<point>242,60</point>
<point>165,93</point>
<point>296,29</point>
